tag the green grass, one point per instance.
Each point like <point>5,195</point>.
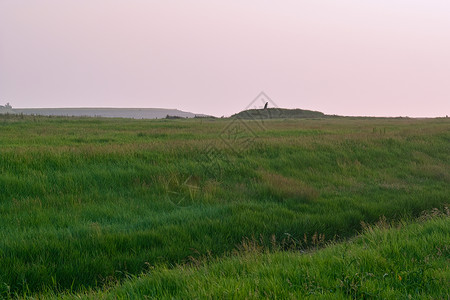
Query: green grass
<point>385,262</point>
<point>85,201</point>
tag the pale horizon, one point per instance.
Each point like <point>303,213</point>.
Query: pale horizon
<point>348,57</point>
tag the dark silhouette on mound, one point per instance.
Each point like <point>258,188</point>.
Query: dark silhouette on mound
<point>278,113</point>
<point>265,106</point>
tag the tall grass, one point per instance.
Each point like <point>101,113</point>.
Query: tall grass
<point>87,201</point>
<point>404,261</point>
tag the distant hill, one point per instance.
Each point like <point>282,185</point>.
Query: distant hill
<point>278,113</point>
<point>134,113</point>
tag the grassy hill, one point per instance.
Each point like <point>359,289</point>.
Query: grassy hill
<point>87,203</point>
<point>278,113</point>
<point>400,262</point>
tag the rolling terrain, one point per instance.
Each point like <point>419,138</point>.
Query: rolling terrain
<point>406,260</point>
<point>92,207</point>
<point>133,113</point>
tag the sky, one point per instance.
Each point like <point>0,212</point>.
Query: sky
<point>346,57</point>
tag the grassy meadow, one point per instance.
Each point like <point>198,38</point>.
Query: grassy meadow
<point>408,260</point>
<point>88,204</point>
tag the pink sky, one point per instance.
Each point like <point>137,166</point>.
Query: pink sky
<point>348,57</point>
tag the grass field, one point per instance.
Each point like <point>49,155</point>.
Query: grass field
<point>87,203</point>
<point>402,262</point>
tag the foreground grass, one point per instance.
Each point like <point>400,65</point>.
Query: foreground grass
<point>85,202</point>
<point>400,262</point>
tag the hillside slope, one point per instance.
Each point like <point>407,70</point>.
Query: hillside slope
<point>133,113</point>
<point>393,263</point>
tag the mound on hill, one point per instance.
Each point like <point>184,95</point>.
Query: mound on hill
<point>278,113</point>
